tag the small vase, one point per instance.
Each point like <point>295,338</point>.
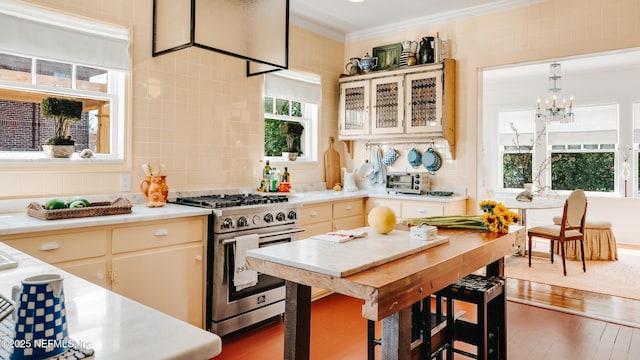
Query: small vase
<point>289,156</point>
<point>155,191</point>
<point>527,194</point>
<point>58,151</point>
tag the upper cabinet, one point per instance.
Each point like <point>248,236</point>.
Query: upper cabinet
<point>413,102</point>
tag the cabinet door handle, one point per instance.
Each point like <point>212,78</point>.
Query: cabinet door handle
<point>348,207</point>
<point>199,258</point>
<point>161,232</point>
<point>422,210</point>
<point>49,246</point>
<point>313,213</point>
<point>100,276</point>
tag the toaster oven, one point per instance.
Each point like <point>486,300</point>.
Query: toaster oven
<point>408,183</point>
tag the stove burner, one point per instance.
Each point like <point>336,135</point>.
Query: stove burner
<point>230,200</point>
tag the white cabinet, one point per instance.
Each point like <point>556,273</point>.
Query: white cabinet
<point>354,108</point>
<point>424,112</point>
<point>387,103</point>
<point>413,102</point>
<point>158,263</point>
<point>408,209</point>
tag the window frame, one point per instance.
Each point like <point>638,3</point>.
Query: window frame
<point>115,94</point>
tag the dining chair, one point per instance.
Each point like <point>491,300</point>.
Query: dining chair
<point>570,229</point>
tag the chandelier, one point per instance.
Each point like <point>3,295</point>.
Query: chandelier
<point>554,108</point>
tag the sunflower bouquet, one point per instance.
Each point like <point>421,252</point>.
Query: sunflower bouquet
<point>495,218</point>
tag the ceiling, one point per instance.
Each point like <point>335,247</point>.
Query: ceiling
<point>345,20</point>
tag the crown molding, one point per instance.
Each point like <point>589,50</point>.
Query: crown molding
<point>313,26</point>
<point>437,18</point>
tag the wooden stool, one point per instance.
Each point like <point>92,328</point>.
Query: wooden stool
<point>599,241</point>
<point>488,334</point>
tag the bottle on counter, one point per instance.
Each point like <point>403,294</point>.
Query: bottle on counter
<point>286,177</point>
<point>273,180</point>
<point>266,171</point>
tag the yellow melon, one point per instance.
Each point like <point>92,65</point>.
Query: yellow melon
<point>382,219</point>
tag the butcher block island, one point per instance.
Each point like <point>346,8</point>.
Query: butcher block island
<point>388,284</point>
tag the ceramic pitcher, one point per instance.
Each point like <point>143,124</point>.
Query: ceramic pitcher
<point>349,180</point>
<point>41,321</point>
<point>155,190</point>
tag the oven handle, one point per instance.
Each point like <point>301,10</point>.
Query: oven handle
<point>263,236</point>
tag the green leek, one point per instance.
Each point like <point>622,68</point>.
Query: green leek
<point>473,222</point>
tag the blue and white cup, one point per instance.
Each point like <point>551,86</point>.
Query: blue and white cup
<point>41,321</point>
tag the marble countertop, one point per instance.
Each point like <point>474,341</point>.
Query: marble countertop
<point>310,197</point>
<point>114,326</point>
<point>337,259</point>
<point>20,222</point>
<point>14,218</point>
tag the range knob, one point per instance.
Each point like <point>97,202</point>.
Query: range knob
<point>256,220</point>
<point>281,216</point>
<point>243,222</point>
<point>292,215</point>
<point>268,218</point>
<point>227,223</point>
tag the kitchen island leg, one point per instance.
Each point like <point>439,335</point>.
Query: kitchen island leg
<point>297,321</point>
<point>396,335</point>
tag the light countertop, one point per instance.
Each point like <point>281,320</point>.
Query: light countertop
<point>310,197</point>
<point>114,326</point>
<point>20,222</point>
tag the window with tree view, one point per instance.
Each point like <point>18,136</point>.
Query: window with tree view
<point>578,155</point>
<point>290,115</point>
<point>81,65</point>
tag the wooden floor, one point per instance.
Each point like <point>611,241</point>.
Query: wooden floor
<point>534,333</point>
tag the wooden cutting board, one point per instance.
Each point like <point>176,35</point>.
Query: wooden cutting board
<point>331,165</point>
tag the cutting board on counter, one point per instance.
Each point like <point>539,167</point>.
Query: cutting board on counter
<point>331,165</point>
<point>347,258</point>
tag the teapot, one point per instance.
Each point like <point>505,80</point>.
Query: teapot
<point>368,63</point>
<point>353,66</point>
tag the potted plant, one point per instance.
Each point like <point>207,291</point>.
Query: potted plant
<point>63,112</point>
<point>293,131</point>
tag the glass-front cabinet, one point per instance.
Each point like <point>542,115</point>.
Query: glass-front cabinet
<point>412,102</point>
<point>387,105</point>
<point>354,108</point>
<point>424,102</point>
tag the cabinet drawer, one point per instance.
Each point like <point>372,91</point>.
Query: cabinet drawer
<point>348,223</point>
<point>315,214</point>
<point>63,247</point>
<point>156,235</point>
<point>394,205</point>
<point>348,208</point>
<point>417,209</point>
<point>316,229</point>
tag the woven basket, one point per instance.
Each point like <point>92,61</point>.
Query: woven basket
<point>119,206</point>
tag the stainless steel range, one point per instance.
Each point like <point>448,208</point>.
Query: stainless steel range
<point>275,221</point>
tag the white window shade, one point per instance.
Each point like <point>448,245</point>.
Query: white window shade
<point>295,86</point>
<point>44,34</point>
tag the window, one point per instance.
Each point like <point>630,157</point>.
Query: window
<point>516,141</point>
<point>291,106</point>
<point>23,129</point>
<point>60,56</point>
<point>575,155</point>
<point>583,152</point>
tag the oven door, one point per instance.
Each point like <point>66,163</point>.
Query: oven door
<point>227,300</point>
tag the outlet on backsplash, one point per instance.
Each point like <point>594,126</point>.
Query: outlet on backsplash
<point>125,182</point>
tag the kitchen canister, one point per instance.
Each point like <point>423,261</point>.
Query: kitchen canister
<point>41,319</point>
